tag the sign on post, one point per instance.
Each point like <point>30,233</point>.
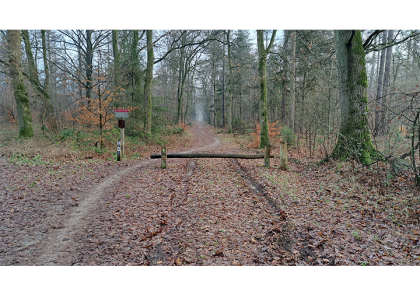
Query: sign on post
<point>121,113</point>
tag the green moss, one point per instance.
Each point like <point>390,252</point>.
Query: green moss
<point>357,38</point>
<point>363,78</point>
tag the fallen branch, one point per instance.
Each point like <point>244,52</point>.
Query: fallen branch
<point>237,156</point>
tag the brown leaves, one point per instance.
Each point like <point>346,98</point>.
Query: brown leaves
<point>272,132</point>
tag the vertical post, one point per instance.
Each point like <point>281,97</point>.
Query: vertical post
<point>118,151</point>
<point>267,156</point>
<point>122,141</point>
<point>283,155</point>
<point>163,157</point>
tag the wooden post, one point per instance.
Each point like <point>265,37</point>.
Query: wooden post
<point>118,150</point>
<point>283,155</point>
<point>163,157</point>
<point>122,141</point>
<point>267,156</point>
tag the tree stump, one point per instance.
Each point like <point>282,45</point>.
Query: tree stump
<point>283,155</point>
<point>163,157</point>
<point>267,156</point>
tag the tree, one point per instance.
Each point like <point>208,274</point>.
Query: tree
<point>116,54</point>
<point>379,96</point>
<point>48,112</point>
<point>230,100</point>
<point>148,81</point>
<point>262,61</point>
<point>292,78</point>
<point>387,78</point>
<point>21,94</point>
<point>354,139</point>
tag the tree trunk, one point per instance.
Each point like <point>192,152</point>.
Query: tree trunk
<point>262,55</point>
<point>285,81</point>
<point>148,81</point>
<point>180,80</point>
<point>354,140</point>
<point>89,66</point>
<point>292,79</point>
<point>116,54</point>
<point>230,100</point>
<point>223,88</point>
<point>48,111</point>
<point>372,75</point>
<point>387,76</point>
<point>21,94</point>
<point>136,81</point>
<point>379,95</point>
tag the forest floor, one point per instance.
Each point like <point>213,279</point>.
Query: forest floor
<point>206,211</point>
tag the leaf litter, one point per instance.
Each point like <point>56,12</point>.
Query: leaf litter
<point>212,212</point>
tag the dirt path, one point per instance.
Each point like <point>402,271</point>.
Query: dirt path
<point>195,212</point>
<point>59,248</point>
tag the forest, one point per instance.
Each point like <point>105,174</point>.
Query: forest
<point>346,103</point>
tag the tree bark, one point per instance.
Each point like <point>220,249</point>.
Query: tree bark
<point>21,94</point>
<point>379,95</point>
<point>48,111</point>
<point>116,54</point>
<point>387,77</point>
<point>354,139</point>
<point>292,79</point>
<point>230,100</point>
<point>372,75</point>
<point>181,80</point>
<point>283,155</point>
<point>262,55</point>
<point>89,66</point>
<point>148,81</point>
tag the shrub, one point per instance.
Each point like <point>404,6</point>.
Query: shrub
<point>66,134</point>
<point>239,125</point>
<point>288,135</point>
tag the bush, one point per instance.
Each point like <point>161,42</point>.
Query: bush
<point>66,134</point>
<point>288,135</point>
<point>239,125</point>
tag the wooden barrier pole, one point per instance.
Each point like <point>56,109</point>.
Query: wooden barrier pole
<point>267,156</point>
<point>163,157</point>
<point>283,155</point>
<point>211,156</point>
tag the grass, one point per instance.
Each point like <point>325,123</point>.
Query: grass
<point>73,146</point>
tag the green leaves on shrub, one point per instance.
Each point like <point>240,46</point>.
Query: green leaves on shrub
<point>288,135</point>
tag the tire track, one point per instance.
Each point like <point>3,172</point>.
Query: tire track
<point>59,248</point>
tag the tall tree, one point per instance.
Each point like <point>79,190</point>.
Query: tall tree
<point>21,94</point>
<point>262,64</point>
<point>89,66</point>
<point>385,91</point>
<point>354,139</point>
<point>116,54</point>
<point>230,99</point>
<point>292,78</point>
<point>379,93</point>
<point>148,81</point>
<point>48,112</point>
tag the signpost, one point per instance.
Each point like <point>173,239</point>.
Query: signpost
<point>121,114</point>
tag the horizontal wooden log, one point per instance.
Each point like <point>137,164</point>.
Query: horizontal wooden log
<point>237,156</point>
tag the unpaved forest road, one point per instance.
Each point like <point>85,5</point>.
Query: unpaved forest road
<point>195,212</point>
<point>58,248</point>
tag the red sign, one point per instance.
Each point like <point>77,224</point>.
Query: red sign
<point>121,110</point>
